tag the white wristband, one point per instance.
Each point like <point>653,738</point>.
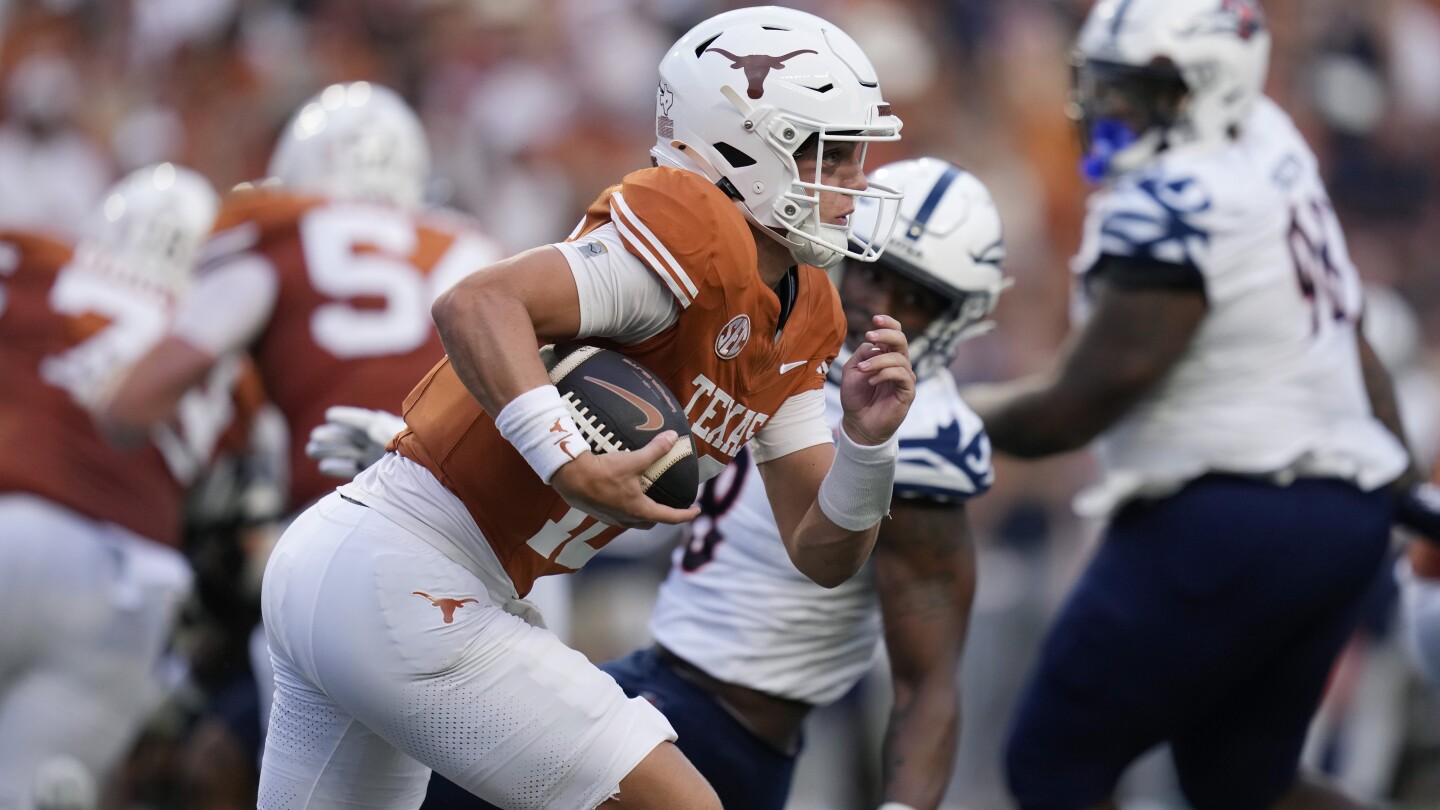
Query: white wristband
<point>856,491</point>
<point>539,424</point>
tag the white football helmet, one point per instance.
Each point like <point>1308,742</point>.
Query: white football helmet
<point>359,142</point>
<point>949,241</point>
<point>743,90</point>
<point>1152,75</point>
<point>150,228</point>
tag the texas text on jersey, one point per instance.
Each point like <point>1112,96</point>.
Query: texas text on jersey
<point>730,372</point>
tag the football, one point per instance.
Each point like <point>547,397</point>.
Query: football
<point>619,404</point>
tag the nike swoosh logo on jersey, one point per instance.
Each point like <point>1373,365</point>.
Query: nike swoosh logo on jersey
<point>786,368</point>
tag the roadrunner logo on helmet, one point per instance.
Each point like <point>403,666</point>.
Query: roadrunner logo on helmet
<point>950,242</point>
<point>742,91</point>
<point>1158,75</point>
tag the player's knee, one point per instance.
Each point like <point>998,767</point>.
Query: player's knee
<point>665,779</point>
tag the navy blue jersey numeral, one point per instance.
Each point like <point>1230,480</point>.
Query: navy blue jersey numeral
<point>705,535</point>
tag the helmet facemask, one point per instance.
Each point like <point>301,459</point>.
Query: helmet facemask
<point>1124,114</point>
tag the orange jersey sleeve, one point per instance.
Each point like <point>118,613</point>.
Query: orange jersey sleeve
<point>52,447</point>
<point>727,359</point>
<point>351,323</point>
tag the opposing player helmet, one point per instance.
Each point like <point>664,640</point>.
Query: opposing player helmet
<point>950,242</point>
<point>743,90</point>
<point>359,142</point>
<point>150,228</point>
<point>1157,74</point>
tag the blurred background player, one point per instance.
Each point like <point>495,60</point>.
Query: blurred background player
<point>325,273</point>
<point>745,644</point>
<point>90,576</point>
<point>1248,435</point>
<point>704,269</point>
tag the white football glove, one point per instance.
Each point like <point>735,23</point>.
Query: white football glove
<point>351,439</point>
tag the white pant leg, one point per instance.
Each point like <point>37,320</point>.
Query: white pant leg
<point>356,613</point>
<point>88,610</point>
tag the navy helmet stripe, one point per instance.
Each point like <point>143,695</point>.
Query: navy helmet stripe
<point>932,202</point>
<point>1119,16</point>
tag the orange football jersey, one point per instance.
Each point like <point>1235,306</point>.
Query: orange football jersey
<point>724,358</point>
<point>351,323</point>
<point>52,448</point>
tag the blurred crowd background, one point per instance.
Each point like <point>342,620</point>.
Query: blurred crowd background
<point>533,106</point>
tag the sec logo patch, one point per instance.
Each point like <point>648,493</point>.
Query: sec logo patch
<point>733,337</point>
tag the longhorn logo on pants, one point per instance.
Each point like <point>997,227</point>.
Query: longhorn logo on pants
<point>447,605</point>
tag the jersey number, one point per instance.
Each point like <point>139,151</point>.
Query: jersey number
<point>1328,288</point>
<point>573,531</point>
<point>360,252</point>
<point>135,321</point>
<point>705,536</point>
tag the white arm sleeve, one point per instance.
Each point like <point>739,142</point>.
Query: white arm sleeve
<point>800,423</point>
<point>229,305</point>
<point>620,297</point>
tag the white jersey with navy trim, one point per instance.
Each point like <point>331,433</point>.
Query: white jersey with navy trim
<point>1271,383</point>
<point>736,607</point>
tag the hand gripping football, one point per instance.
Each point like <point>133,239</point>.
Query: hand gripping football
<point>619,404</point>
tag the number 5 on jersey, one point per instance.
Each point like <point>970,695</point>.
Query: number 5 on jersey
<point>363,252</point>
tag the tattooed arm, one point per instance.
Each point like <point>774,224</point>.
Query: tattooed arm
<point>925,575</point>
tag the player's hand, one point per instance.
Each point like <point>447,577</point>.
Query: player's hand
<point>877,384</point>
<point>1418,509</point>
<point>351,439</point>
<point>608,486</point>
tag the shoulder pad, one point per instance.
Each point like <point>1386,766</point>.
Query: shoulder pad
<point>1157,217</point>
<point>944,450</point>
<point>684,228</point>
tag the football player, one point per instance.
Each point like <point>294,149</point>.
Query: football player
<point>325,274</point>
<point>1247,464</point>
<point>90,576</point>
<point>394,607</point>
<point>746,645</point>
